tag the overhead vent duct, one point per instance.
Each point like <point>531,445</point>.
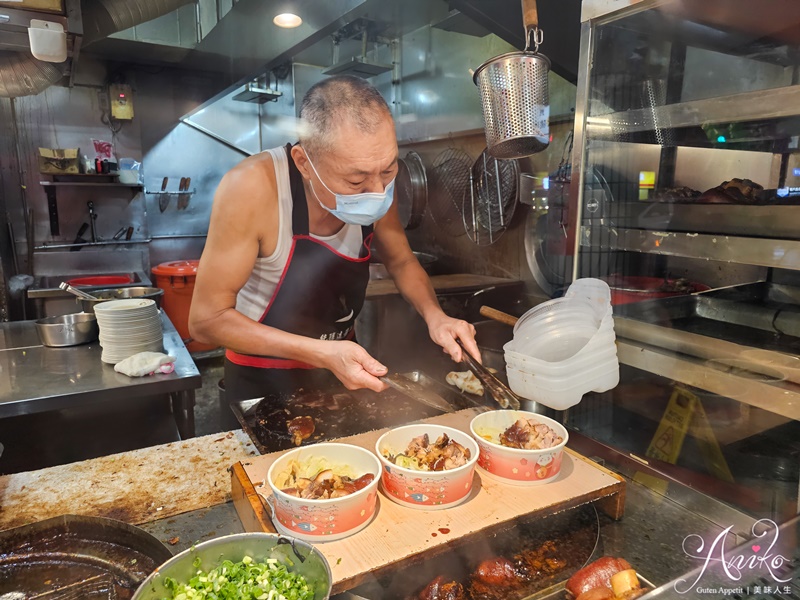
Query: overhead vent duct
<point>23,75</point>
<point>101,18</point>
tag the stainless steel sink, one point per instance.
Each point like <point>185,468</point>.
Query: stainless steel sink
<point>50,301</point>
<point>47,285</point>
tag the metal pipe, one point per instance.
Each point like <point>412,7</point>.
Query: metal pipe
<point>92,220</point>
<point>213,135</point>
<point>87,244</point>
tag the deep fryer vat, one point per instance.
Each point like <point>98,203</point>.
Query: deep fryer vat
<point>88,557</point>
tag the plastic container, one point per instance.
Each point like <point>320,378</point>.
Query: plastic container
<point>564,346</point>
<point>598,372</point>
<point>177,279</point>
<point>523,362</point>
<point>526,385</point>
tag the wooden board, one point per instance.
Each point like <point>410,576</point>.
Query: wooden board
<point>400,536</point>
<point>56,6</point>
<point>136,487</point>
<point>458,282</point>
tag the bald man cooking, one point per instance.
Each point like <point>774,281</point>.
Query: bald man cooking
<point>285,269</point>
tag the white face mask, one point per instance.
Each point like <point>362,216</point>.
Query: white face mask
<point>357,209</point>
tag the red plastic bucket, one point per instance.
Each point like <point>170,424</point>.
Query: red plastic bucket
<point>177,279</point>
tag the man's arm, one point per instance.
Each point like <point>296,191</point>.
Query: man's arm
<point>415,286</point>
<point>246,198</point>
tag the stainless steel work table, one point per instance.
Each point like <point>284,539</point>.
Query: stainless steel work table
<point>37,379</point>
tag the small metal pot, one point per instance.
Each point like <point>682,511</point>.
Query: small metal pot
<point>151,293</point>
<point>68,330</point>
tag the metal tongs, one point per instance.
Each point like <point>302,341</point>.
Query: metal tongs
<point>496,388</point>
<point>76,292</point>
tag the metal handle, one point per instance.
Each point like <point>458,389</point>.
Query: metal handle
<point>530,18</point>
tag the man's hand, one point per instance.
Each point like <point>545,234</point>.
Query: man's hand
<point>352,365</point>
<point>445,331</point>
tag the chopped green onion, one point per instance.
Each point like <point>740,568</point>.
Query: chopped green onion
<point>245,580</point>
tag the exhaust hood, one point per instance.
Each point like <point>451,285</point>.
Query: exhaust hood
<point>360,66</point>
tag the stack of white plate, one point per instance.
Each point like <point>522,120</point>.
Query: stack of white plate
<point>128,327</point>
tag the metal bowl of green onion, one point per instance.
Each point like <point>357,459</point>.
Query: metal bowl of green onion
<point>243,566</point>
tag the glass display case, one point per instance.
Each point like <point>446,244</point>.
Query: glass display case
<point>686,168</point>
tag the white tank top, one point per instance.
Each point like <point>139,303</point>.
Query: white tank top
<point>253,299</point>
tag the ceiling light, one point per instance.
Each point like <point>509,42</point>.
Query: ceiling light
<point>287,20</point>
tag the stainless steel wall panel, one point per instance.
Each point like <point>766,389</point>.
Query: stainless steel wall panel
<point>185,152</point>
<point>234,121</point>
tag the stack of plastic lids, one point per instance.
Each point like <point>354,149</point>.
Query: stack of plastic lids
<point>128,327</point>
<point>565,348</point>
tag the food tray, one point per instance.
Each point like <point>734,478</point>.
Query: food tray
<point>399,536</point>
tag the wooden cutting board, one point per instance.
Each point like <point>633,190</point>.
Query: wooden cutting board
<point>399,536</point>
<point>135,487</point>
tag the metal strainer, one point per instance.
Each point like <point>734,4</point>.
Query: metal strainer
<point>449,181</point>
<point>490,202</point>
<point>515,95</point>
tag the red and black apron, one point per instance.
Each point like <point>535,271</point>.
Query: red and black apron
<point>320,294</point>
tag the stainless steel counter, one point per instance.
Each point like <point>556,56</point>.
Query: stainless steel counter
<point>36,379</point>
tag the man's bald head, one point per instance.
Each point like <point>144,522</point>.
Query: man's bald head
<point>342,100</point>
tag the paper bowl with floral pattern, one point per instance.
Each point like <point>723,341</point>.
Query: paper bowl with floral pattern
<point>425,490</point>
<point>516,466</point>
<point>324,520</point>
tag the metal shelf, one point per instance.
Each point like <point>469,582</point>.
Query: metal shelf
<point>764,252</point>
<point>760,105</point>
<point>51,187</point>
<point>90,184</point>
<point>772,221</point>
<point>58,246</point>
<point>781,397</point>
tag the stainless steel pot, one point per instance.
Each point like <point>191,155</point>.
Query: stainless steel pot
<point>304,558</point>
<point>68,330</point>
<point>151,293</point>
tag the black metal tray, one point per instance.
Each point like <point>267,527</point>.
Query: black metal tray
<point>338,412</point>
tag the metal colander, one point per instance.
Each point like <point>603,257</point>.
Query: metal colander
<point>515,96</point>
